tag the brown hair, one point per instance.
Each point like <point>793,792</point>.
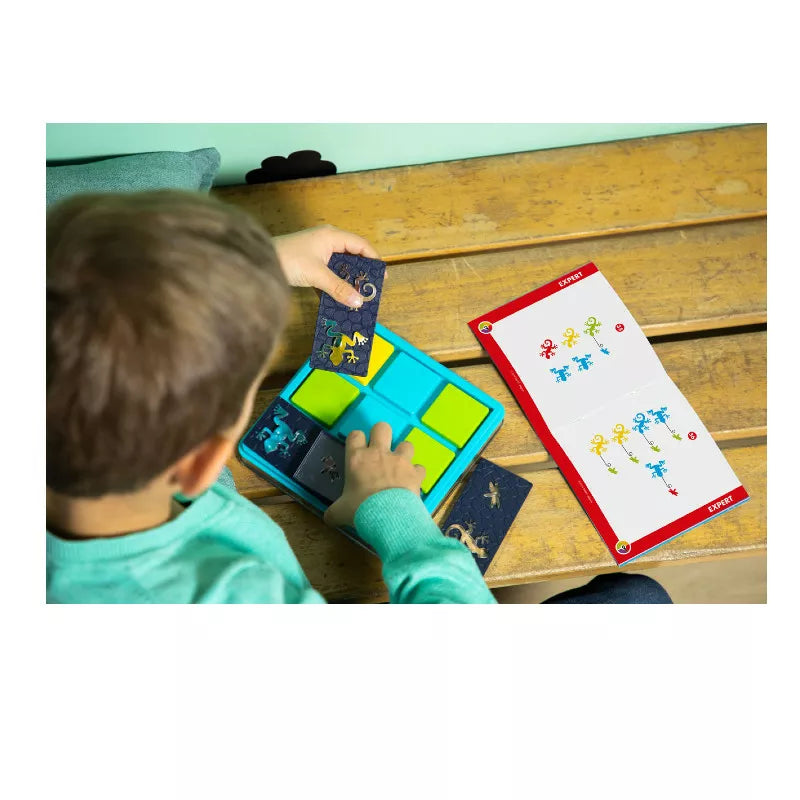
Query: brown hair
<point>162,309</point>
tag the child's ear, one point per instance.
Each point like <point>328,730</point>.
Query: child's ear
<point>197,470</point>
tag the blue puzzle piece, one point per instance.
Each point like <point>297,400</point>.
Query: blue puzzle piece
<point>369,411</point>
<point>407,383</point>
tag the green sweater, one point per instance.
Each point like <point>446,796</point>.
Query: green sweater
<point>223,549</point>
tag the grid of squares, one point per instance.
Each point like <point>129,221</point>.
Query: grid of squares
<point>398,388</point>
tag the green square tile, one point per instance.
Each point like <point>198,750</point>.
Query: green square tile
<point>325,396</point>
<point>433,456</point>
<point>455,415</point>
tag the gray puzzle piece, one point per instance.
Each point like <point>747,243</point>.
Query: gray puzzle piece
<point>322,469</point>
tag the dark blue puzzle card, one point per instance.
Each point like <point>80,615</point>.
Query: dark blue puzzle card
<point>486,509</point>
<point>322,468</point>
<point>283,436</point>
<point>343,337</point>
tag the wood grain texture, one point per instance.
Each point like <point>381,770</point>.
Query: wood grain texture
<point>704,369</point>
<point>470,235</point>
<point>675,281</point>
<point>525,198</point>
<point>551,538</point>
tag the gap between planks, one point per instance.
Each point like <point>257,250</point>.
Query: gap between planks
<point>475,356</point>
<point>268,494</point>
<point>434,254</point>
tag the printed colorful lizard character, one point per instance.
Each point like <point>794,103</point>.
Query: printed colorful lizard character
<point>561,373</point>
<point>661,416</point>
<point>282,436</point>
<point>599,445</point>
<point>464,535</point>
<point>591,328</point>
<point>570,337</point>
<point>338,348</point>
<point>583,362</point>
<point>620,436</point>
<point>548,348</point>
<point>658,472</point>
<point>658,468</point>
<point>640,422</point>
<point>493,494</point>
<point>592,325</point>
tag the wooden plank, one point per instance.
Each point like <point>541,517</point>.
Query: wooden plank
<point>525,198</point>
<point>675,281</point>
<point>552,538</point>
<point>705,370</point>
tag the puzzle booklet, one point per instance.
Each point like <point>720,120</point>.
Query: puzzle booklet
<point>635,453</point>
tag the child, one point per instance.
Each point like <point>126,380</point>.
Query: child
<point>163,309</point>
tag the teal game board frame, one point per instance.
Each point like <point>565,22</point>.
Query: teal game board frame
<point>405,388</point>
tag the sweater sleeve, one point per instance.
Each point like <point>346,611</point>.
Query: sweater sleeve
<point>420,564</point>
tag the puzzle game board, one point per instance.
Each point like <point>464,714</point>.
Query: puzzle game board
<point>297,443</point>
<point>634,451</point>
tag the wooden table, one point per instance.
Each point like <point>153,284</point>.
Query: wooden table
<point>678,226</point>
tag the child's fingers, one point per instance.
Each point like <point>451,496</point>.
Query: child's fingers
<point>356,440</point>
<point>405,449</point>
<point>339,290</point>
<point>421,472</point>
<point>351,243</point>
<point>381,436</point>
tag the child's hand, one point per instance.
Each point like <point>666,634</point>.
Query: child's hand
<point>304,258</point>
<point>371,468</point>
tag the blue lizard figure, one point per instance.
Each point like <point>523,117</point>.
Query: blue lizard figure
<point>640,422</point>
<point>280,438</point>
<point>658,469</point>
<point>561,373</point>
<point>583,362</point>
<point>660,414</point>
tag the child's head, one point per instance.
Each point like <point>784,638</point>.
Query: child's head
<point>162,311</point>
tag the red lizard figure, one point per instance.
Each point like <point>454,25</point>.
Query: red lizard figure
<point>548,348</point>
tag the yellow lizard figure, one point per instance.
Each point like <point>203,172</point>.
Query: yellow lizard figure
<point>570,337</point>
<point>599,444</point>
<point>620,433</point>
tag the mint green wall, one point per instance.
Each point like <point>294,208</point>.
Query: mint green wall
<point>351,146</point>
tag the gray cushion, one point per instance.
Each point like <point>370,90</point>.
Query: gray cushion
<point>194,170</point>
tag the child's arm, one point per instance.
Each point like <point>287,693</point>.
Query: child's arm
<point>381,501</point>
